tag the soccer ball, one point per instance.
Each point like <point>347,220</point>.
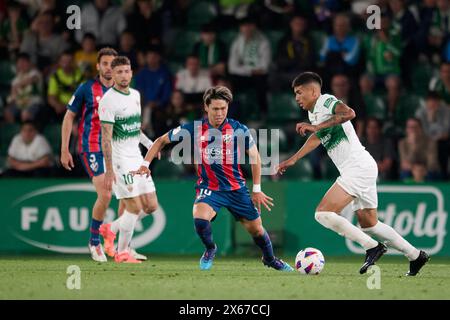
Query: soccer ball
<point>309,261</point>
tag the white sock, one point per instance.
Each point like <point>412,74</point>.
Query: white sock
<point>345,228</point>
<point>115,225</point>
<point>386,233</point>
<point>142,215</point>
<point>127,223</point>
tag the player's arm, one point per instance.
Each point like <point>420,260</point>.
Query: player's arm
<point>258,196</point>
<point>154,150</point>
<point>340,114</point>
<point>147,142</point>
<point>110,178</point>
<point>312,143</point>
<point>66,130</point>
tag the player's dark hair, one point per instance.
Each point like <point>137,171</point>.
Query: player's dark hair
<point>217,93</point>
<point>120,61</point>
<point>306,78</point>
<point>433,95</point>
<point>107,51</point>
<point>23,55</point>
<point>29,123</point>
<point>376,120</point>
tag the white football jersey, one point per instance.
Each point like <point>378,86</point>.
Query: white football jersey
<point>340,141</point>
<point>123,111</point>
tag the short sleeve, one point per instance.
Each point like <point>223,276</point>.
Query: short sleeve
<point>179,133</point>
<point>330,103</point>
<point>76,102</point>
<point>106,111</point>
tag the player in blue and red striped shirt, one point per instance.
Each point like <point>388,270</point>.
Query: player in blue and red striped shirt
<point>218,143</point>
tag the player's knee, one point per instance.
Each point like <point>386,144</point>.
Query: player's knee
<point>322,216</point>
<point>151,207</point>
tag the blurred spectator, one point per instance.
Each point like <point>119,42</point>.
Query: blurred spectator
<point>29,154</point>
<point>419,171</point>
<point>375,106</point>
<point>430,37</point>
<point>145,23</point>
<point>435,119</point>
<point>441,84</point>
<point>193,81</point>
<point>178,112</point>
<point>324,10</point>
<point>380,147</point>
<point>295,54</point>
<point>233,106</point>
<point>383,51</point>
<point>341,88</point>
<point>249,61</point>
<point>42,44</point>
<point>417,146</point>
<point>127,48</point>
<point>154,82</point>
<point>231,11</point>
<point>86,57</point>
<point>211,51</point>
<point>104,20</point>
<point>12,28</point>
<point>341,51</point>
<point>63,83</point>
<point>274,14</point>
<point>26,97</point>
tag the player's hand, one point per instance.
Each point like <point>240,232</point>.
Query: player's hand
<point>303,128</point>
<point>283,166</point>
<point>67,160</point>
<point>259,198</point>
<point>110,179</point>
<point>141,171</point>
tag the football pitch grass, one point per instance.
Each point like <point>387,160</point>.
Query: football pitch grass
<point>232,277</point>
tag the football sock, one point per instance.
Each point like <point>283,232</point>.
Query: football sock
<point>264,243</point>
<point>386,233</point>
<point>127,223</point>
<point>345,228</point>
<point>115,225</point>
<point>203,228</point>
<point>95,233</point>
<point>142,215</point>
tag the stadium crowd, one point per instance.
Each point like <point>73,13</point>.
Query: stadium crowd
<point>396,77</point>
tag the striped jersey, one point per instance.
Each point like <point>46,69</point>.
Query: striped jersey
<point>84,103</point>
<point>217,152</point>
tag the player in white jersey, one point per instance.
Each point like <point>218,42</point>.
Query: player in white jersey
<point>120,116</point>
<point>330,126</point>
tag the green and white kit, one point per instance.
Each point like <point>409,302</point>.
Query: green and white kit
<point>123,111</point>
<point>358,170</point>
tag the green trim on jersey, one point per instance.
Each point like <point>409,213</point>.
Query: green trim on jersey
<point>108,122</point>
<point>126,128</point>
<point>332,137</point>
<point>125,94</point>
<point>328,102</point>
<point>334,106</point>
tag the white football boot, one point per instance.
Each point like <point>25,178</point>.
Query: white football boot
<point>97,253</point>
<point>136,255</point>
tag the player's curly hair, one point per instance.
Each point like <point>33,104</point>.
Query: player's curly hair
<point>106,52</point>
<point>120,61</point>
<point>219,93</point>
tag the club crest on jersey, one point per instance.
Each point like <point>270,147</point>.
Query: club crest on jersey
<point>227,138</point>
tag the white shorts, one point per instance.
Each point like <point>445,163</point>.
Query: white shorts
<point>128,186</point>
<point>360,181</point>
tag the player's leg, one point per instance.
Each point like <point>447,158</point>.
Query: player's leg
<point>133,206</point>
<point>368,220</point>
<point>262,240</point>
<point>203,213</point>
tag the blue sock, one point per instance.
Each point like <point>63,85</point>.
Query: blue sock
<point>95,233</point>
<point>264,243</point>
<point>203,228</point>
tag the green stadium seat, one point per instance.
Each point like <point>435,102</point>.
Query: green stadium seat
<point>7,74</point>
<point>7,132</point>
<point>227,37</point>
<point>319,38</point>
<point>274,37</point>
<point>249,109</point>
<point>375,106</point>
<point>164,168</point>
<point>183,45</point>
<point>52,133</point>
<point>200,13</point>
<point>282,106</point>
<point>421,75</point>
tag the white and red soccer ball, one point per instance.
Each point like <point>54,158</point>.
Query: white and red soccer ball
<point>309,261</point>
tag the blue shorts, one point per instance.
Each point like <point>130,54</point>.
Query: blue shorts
<point>238,202</point>
<point>93,163</point>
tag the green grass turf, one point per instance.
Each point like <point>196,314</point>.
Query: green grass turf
<point>178,277</point>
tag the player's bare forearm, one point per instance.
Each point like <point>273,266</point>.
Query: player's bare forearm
<point>106,145</point>
<point>66,130</point>
<point>255,162</point>
<point>311,143</point>
<point>156,147</point>
<point>342,114</point>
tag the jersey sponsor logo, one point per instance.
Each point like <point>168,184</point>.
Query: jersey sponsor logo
<point>328,102</point>
<point>45,214</point>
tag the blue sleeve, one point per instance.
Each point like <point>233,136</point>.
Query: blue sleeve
<point>76,102</point>
<point>181,132</point>
<point>166,90</point>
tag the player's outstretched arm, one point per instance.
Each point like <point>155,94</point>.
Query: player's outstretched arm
<point>312,143</point>
<point>147,142</point>
<point>66,129</point>
<point>258,197</point>
<point>110,177</point>
<point>154,150</point>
